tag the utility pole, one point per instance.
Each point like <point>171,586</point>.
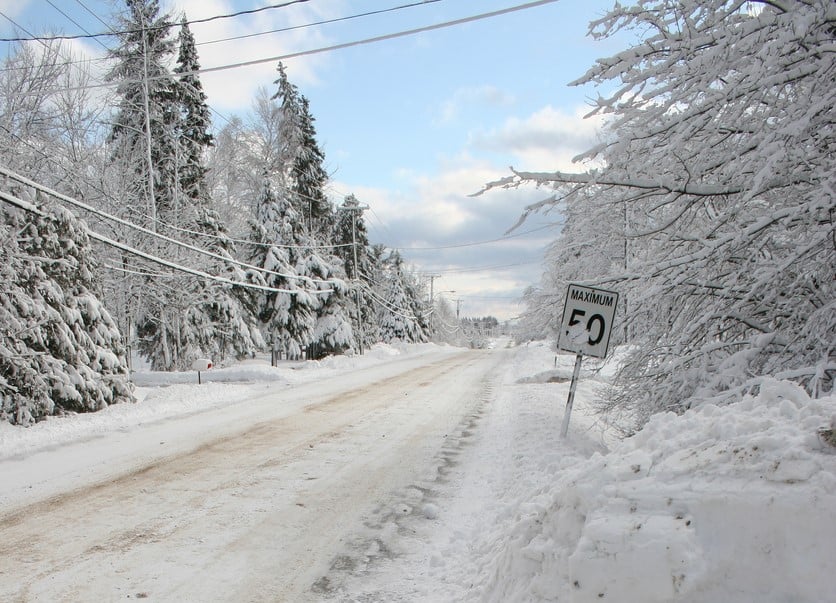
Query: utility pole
<point>354,209</point>
<point>152,201</point>
<point>432,278</point>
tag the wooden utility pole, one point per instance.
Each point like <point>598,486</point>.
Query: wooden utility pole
<point>353,209</point>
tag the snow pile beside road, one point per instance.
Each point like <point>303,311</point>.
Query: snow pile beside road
<point>721,504</point>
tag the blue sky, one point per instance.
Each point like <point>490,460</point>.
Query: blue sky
<point>412,126</point>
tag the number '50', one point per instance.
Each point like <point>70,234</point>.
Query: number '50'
<point>574,319</point>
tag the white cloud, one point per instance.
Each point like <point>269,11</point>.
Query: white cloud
<point>545,140</point>
<point>13,8</point>
<point>435,209</point>
<point>463,98</point>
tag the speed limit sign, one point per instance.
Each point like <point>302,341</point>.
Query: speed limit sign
<point>587,321</point>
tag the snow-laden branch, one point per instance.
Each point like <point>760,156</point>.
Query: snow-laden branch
<point>593,179</point>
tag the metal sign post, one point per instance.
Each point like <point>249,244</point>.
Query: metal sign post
<point>565,427</point>
<point>585,329</point>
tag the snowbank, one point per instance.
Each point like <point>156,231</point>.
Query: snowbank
<point>733,503</point>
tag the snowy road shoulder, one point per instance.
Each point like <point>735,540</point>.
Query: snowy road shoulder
<point>732,503</point>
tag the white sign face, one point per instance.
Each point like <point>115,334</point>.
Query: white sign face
<point>587,321</point>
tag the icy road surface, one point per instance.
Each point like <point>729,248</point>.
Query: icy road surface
<point>248,501</point>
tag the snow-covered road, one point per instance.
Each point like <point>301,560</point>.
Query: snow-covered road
<point>246,501</point>
<point>419,474</point>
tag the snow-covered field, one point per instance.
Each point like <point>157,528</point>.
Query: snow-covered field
<point>731,504</point>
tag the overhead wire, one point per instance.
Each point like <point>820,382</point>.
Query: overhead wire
<point>65,60</point>
<point>480,268</point>
<point>67,199</point>
<point>402,312</point>
<point>316,23</point>
<point>476,243</point>
<point>323,49</point>
<point>95,16</point>
<point>233,38</point>
<point>76,23</point>
<point>131,31</point>
<point>161,261</point>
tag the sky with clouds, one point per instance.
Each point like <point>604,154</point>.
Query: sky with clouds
<point>412,126</point>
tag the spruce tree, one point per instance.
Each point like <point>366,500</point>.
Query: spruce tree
<point>309,177</point>
<point>301,179</point>
<point>401,314</point>
<point>288,317</point>
<point>194,120</point>
<point>144,128</point>
<point>351,243</point>
<point>60,350</point>
<point>161,136</point>
<point>223,326</point>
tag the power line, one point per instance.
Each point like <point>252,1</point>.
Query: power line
<point>233,38</point>
<point>76,23</point>
<point>375,39</point>
<point>97,17</point>
<point>476,243</point>
<point>107,216</point>
<point>132,31</point>
<point>163,262</point>
<point>315,23</point>
<point>481,268</point>
<point>342,46</point>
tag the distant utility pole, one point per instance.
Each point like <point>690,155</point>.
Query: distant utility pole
<point>354,209</point>
<point>432,278</point>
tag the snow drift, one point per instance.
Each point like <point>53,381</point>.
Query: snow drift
<point>719,504</point>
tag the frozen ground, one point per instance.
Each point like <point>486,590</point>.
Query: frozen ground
<point>731,504</point>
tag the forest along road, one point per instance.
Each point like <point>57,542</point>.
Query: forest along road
<point>256,499</point>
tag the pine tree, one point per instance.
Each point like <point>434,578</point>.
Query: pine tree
<point>288,317</point>
<point>351,243</point>
<point>145,126</point>
<point>60,351</point>
<point>401,314</point>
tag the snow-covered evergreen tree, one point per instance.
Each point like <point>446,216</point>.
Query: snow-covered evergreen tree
<point>163,129</point>
<point>60,351</point>
<point>225,327</point>
<point>144,176</point>
<point>300,177</point>
<point>309,177</point>
<point>401,314</point>
<point>144,129</point>
<point>332,332</point>
<point>351,243</point>
<point>288,318</point>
